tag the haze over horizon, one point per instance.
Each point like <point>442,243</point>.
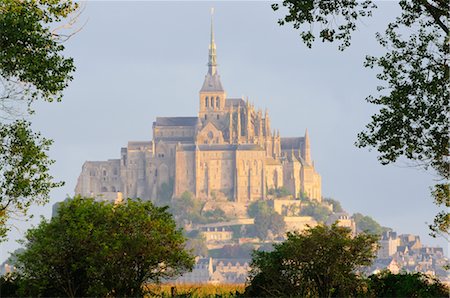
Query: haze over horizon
<point>136,61</point>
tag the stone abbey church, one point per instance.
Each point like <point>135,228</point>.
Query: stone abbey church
<point>228,153</point>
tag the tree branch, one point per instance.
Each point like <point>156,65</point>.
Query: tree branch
<point>436,13</point>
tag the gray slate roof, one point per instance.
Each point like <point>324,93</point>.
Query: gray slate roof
<point>212,83</point>
<point>235,102</point>
<point>176,121</point>
<point>292,143</point>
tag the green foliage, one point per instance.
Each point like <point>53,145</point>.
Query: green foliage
<point>31,62</point>
<point>387,284</point>
<point>264,223</point>
<point>31,66</point>
<point>215,215</point>
<point>10,285</point>
<point>320,262</point>
<point>258,207</point>
<point>441,195</point>
<point>413,119</point>
<point>165,193</point>
<point>266,219</point>
<point>305,14</point>
<point>100,249</point>
<point>187,209</point>
<point>336,205</point>
<point>279,192</point>
<point>291,210</point>
<point>316,211</point>
<point>197,246</point>
<point>24,171</point>
<point>368,224</point>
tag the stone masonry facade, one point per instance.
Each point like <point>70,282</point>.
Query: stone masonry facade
<point>229,152</point>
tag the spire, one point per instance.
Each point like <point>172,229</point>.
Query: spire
<point>212,62</point>
<point>212,79</point>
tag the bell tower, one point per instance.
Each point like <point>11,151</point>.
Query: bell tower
<point>212,94</point>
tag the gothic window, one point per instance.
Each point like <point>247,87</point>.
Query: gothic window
<point>212,102</point>
<point>104,172</point>
<point>113,189</point>
<point>217,102</point>
<point>104,189</point>
<point>207,101</point>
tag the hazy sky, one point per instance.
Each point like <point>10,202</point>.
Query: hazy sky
<point>139,60</point>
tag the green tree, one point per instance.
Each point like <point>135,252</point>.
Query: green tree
<point>266,222</point>
<point>99,249</point>
<point>337,207</point>
<point>215,215</point>
<point>413,120</point>
<point>187,209</point>
<point>197,245</point>
<point>368,224</point>
<point>31,67</point>
<point>258,207</point>
<point>24,171</point>
<point>165,193</point>
<point>387,284</point>
<point>320,262</point>
<point>316,211</point>
<point>266,219</point>
<point>279,192</point>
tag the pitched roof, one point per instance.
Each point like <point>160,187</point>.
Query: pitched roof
<point>176,121</point>
<point>292,143</point>
<point>212,83</point>
<point>235,102</point>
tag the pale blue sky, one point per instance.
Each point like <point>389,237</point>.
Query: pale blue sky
<point>139,60</point>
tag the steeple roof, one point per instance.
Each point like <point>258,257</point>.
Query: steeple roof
<point>212,81</point>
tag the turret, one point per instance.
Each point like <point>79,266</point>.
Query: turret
<point>307,149</point>
<point>267,123</point>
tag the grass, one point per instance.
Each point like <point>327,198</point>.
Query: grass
<point>196,290</point>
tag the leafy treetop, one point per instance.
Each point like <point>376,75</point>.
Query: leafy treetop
<point>99,249</point>
<point>320,262</point>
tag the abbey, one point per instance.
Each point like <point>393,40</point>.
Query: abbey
<point>228,153</point>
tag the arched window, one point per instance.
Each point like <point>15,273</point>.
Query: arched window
<point>113,189</point>
<point>218,117</point>
<point>206,101</point>
<point>212,102</point>
<point>104,173</point>
<point>217,102</point>
<point>104,189</point>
